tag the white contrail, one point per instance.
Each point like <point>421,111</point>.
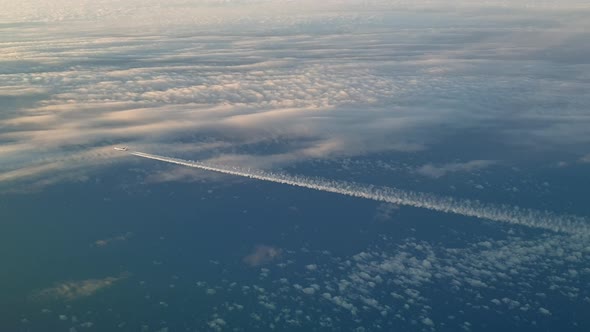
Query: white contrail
<point>514,215</point>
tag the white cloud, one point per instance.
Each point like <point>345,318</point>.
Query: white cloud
<point>308,290</point>
<point>544,311</point>
<point>428,322</point>
<point>322,77</point>
<point>474,274</point>
<point>217,324</point>
<point>111,240</point>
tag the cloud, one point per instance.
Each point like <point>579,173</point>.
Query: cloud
<point>110,240</point>
<point>217,324</point>
<point>183,174</point>
<point>262,254</point>
<point>545,311</point>
<point>515,277</point>
<point>328,80</point>
<point>43,169</point>
<point>385,211</point>
<point>73,290</point>
<point>434,171</point>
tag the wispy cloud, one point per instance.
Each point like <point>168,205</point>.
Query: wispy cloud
<point>437,171</point>
<point>111,240</point>
<point>73,290</point>
<point>262,254</point>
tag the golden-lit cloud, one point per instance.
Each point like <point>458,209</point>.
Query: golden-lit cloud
<point>73,290</point>
<point>262,254</point>
<point>355,86</point>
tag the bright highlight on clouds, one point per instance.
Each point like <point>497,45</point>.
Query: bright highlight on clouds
<point>338,78</point>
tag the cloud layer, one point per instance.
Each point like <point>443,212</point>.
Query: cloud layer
<point>413,283</point>
<point>217,78</point>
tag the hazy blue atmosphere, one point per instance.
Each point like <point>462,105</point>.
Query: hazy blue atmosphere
<point>480,110</point>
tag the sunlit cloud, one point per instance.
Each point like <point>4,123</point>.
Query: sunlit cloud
<point>340,78</point>
<point>73,290</point>
<point>262,254</point>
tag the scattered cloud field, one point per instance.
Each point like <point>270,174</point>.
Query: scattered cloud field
<point>412,283</point>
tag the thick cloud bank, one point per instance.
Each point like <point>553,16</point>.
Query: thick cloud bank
<point>323,80</point>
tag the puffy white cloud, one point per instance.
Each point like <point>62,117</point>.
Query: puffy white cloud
<point>506,273</point>
<point>427,321</point>
<point>544,311</point>
<point>308,290</point>
<point>217,324</point>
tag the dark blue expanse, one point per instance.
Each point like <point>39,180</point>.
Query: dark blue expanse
<point>175,252</point>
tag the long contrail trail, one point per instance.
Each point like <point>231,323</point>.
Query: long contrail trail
<point>527,217</point>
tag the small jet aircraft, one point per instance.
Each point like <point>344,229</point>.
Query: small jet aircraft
<point>121,148</point>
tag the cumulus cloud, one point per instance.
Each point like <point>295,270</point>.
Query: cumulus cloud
<point>217,324</point>
<point>398,282</point>
<point>544,311</point>
<point>515,279</point>
<point>111,240</point>
<point>480,267</point>
<point>262,254</point>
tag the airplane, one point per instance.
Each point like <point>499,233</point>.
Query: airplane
<point>124,148</point>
